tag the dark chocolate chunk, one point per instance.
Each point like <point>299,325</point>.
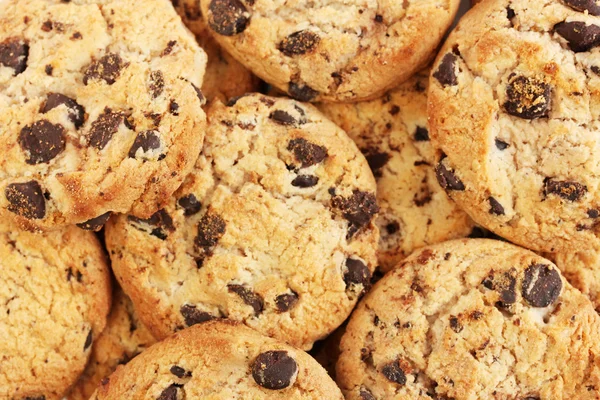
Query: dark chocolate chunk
<point>104,128</point>
<point>541,286</point>
<point>190,204</point>
<point>495,207</point>
<point>252,299</point>
<point>421,134</point>
<point>378,18</point>
<point>169,49</point>
<point>305,181</point>
<point>274,370</point>
<point>49,69</point>
<point>580,36</point>
<point>169,393</point>
<point>210,229</point>
<point>366,394</point>
<point>527,98</point>
<point>377,161</point>
<point>157,84</point>
<point>14,54</point>
<point>593,213</point>
<point>447,178</point>
<point>283,118</point>
<point>501,144</point>
<point>95,224</point>
<point>42,141</point>
<point>306,152</point>
<point>394,373</point>
<point>228,17</point>
<point>392,227</point>
<point>26,199</point>
<point>286,301</point>
<point>193,316</point>
<point>180,372</point>
<point>504,284</point>
<point>568,190</point>
<point>299,43</point>
<point>591,6</point>
<point>76,111</point>
<point>455,324</point>
<point>174,108</point>
<point>108,69</point>
<point>88,340</point>
<point>302,92</point>
<point>510,13</point>
<point>160,221</point>
<point>146,140</point>
<point>445,73</point>
<point>357,273</point>
<point>359,209</point>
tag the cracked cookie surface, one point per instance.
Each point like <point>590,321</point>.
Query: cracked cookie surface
<point>331,50</point>
<point>472,319</point>
<point>220,360</point>
<point>54,298</point>
<point>393,134</point>
<point>274,227</point>
<point>100,108</point>
<point>514,110</point>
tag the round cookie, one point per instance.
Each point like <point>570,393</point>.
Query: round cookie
<point>225,77</point>
<point>123,338</point>
<point>392,133</point>
<point>514,106</point>
<point>98,115</point>
<point>54,298</point>
<point>274,228</point>
<point>331,50</point>
<point>472,319</point>
<point>219,360</point>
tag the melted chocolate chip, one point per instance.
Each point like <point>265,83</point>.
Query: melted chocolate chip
<point>193,316</point>
<point>593,213</point>
<point>104,128</point>
<point>228,17</point>
<point>358,210</point>
<point>591,6</point>
<point>357,273</point>
<point>252,299</point>
<point>95,224</point>
<point>377,161</point>
<point>445,73</point>
<point>366,395</point>
<point>146,141</point>
<point>501,144</point>
<point>286,301</point>
<point>210,229</point>
<point>14,54</point>
<point>108,69</point>
<point>495,207</point>
<point>455,325</point>
<point>157,84</point>
<point>447,178</point>
<point>421,134</point>
<point>26,199</point>
<point>306,152</point>
<point>580,36</point>
<point>541,286</point>
<point>169,393</point>
<point>504,284</point>
<point>394,373</point>
<point>568,190</point>
<point>527,98</point>
<point>302,92</point>
<point>305,181</point>
<point>76,111</point>
<point>190,205</point>
<point>180,372</point>
<point>283,118</point>
<point>161,221</point>
<point>88,341</point>
<point>274,370</point>
<point>42,141</point>
<point>174,108</point>
<point>299,43</point>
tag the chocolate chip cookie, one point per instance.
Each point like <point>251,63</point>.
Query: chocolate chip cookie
<point>54,298</point>
<point>274,227</point>
<point>123,338</point>
<point>393,134</point>
<point>225,77</point>
<point>330,50</point>
<point>472,319</point>
<point>101,110</point>
<point>514,106</point>
<point>219,360</point>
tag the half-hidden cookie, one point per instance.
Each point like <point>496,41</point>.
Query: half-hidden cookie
<point>392,133</point>
<point>514,106</point>
<point>472,319</point>
<point>274,227</point>
<point>225,77</point>
<point>101,110</point>
<point>582,270</point>
<point>123,338</point>
<point>54,298</point>
<point>330,50</point>
<point>219,360</point>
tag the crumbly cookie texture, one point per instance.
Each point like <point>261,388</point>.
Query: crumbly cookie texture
<point>472,319</point>
<point>331,50</point>
<point>392,133</point>
<point>514,103</point>
<point>101,110</point>
<point>582,270</point>
<point>123,339</point>
<point>274,227</point>
<point>54,299</point>
<point>225,77</point>
<point>219,360</point>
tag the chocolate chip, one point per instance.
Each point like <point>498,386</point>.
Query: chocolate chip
<point>282,118</point>
<point>174,108</point>
<point>377,161</point>
<point>274,370</point>
<point>455,324</point>
<point>157,84</point>
<point>76,111</point>
<point>104,128</point>
<point>591,6</point>
<point>394,373</point>
<point>359,209</point>
<point>190,204</point>
<point>593,213</point>
<point>302,92</point>
<point>49,69</point>
<point>421,134</point>
<point>366,394</point>
<point>495,207</point>
<point>180,372</point>
<point>501,144</point>
<point>357,273</point>
<point>568,190</point>
<point>108,69</point>
<point>447,178</point>
<point>306,152</point>
<point>42,141</point>
<point>146,141</point>
<point>14,54</point>
<point>541,286</point>
<point>42,397</point>
<point>252,299</point>
<point>193,316</point>
<point>210,229</point>
<point>228,17</point>
<point>169,49</point>
<point>161,221</point>
<point>286,301</point>
<point>504,284</point>
<point>445,73</point>
<point>392,227</point>
<point>169,393</point>
<point>299,43</point>
<point>47,26</point>
<point>95,224</point>
<point>88,341</point>
<point>379,18</point>
<point>305,181</point>
<point>199,94</point>
<point>580,36</point>
<point>527,98</point>
<point>510,13</point>
<point>26,199</point>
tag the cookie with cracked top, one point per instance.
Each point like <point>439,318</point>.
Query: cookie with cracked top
<point>335,51</point>
<point>392,132</point>
<point>220,360</point>
<point>54,299</point>
<point>108,121</point>
<point>514,106</point>
<point>472,319</point>
<point>274,227</point>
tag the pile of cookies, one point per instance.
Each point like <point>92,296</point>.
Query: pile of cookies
<point>223,199</point>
